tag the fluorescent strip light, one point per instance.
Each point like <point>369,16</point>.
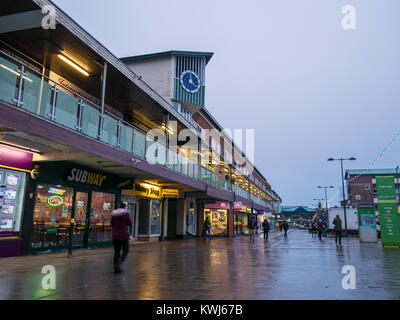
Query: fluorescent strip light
<point>73,64</point>
<point>14,72</point>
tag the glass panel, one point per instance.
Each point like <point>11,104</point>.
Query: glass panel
<point>196,171</point>
<point>80,231</point>
<point>184,165</point>
<point>66,110</point>
<point>126,138</point>
<point>90,120</point>
<point>151,148</point>
<point>139,144</point>
<point>8,80</point>
<point>161,156</point>
<point>155,216</point>
<point>170,159</point>
<point>100,217</point>
<point>110,129</point>
<point>37,95</point>
<point>52,214</point>
<point>177,166</point>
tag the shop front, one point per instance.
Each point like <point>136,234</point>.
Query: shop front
<point>218,216</point>
<point>241,216</point>
<point>148,204</point>
<point>73,207</point>
<point>15,164</point>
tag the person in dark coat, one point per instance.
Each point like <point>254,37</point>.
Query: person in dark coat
<point>266,229</point>
<point>285,227</point>
<point>207,229</point>
<point>252,227</point>
<point>337,222</point>
<point>120,222</point>
<point>320,228</point>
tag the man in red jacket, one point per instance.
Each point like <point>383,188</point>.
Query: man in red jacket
<point>120,221</point>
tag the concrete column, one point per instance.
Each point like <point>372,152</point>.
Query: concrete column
<point>164,219</point>
<point>231,222</point>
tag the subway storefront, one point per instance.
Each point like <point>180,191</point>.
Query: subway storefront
<point>218,216</point>
<point>73,207</point>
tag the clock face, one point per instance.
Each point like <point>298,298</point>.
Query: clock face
<point>190,81</point>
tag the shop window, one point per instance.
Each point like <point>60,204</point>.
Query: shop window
<point>155,216</point>
<point>219,221</point>
<point>102,206</point>
<point>52,214</point>
<point>367,187</point>
<point>12,187</point>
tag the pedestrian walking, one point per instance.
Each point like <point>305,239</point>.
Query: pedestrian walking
<point>266,228</point>
<point>313,229</point>
<point>252,227</point>
<point>337,222</point>
<point>207,229</point>
<point>320,229</point>
<point>280,226</point>
<point>120,221</point>
<point>285,228</point>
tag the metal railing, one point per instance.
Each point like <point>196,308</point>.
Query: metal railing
<point>34,92</point>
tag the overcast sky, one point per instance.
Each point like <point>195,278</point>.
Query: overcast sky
<point>287,68</point>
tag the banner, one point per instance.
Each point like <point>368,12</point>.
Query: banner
<point>388,215</point>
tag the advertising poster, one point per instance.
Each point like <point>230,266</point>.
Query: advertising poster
<point>219,221</point>
<point>367,223</point>
<point>387,206</point>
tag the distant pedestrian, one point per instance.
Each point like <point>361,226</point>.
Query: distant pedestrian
<point>280,226</point>
<point>337,222</point>
<point>266,228</point>
<point>285,228</point>
<point>207,229</point>
<point>313,229</point>
<point>252,228</point>
<point>120,221</point>
<point>320,228</point>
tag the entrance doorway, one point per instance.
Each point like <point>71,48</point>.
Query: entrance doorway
<point>143,224</point>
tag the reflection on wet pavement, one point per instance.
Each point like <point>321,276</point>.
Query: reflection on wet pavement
<point>300,267</point>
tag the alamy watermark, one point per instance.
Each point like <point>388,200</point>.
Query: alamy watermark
<point>49,21</point>
<point>214,147</point>
<point>349,280</point>
<point>349,19</point>
<point>49,280</point>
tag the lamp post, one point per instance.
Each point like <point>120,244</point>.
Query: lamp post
<point>326,196</point>
<point>344,197</point>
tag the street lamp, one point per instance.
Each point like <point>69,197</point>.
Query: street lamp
<point>326,197</point>
<point>344,198</point>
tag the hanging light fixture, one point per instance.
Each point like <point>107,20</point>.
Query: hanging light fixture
<point>73,64</point>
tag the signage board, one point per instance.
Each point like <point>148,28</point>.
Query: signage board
<point>170,193</point>
<point>387,207</point>
<point>13,158</point>
<point>237,205</point>
<point>218,205</point>
<point>145,190</point>
<point>367,223</point>
<point>206,201</point>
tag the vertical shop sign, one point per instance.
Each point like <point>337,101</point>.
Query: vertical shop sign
<point>366,222</point>
<point>388,215</point>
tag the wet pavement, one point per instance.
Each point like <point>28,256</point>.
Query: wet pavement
<point>300,267</point>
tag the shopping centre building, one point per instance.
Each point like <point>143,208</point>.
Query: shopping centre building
<point>82,130</point>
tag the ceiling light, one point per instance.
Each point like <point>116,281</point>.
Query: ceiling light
<point>73,64</point>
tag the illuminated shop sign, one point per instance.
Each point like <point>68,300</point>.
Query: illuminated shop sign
<point>237,205</point>
<point>145,190</point>
<point>54,201</point>
<point>56,191</point>
<point>86,177</point>
<point>218,205</point>
<point>170,193</point>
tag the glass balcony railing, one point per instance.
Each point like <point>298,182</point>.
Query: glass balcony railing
<point>39,95</point>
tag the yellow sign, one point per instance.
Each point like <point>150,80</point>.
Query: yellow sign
<point>145,190</point>
<point>170,193</point>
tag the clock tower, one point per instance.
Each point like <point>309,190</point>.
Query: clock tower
<point>178,76</point>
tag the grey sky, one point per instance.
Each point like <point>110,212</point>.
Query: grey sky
<point>286,68</point>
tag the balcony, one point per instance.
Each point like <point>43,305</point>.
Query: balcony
<point>36,94</point>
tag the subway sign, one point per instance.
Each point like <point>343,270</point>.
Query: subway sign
<point>86,177</point>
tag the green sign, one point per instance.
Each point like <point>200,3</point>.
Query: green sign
<point>388,214</point>
<point>206,201</point>
<point>51,230</point>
